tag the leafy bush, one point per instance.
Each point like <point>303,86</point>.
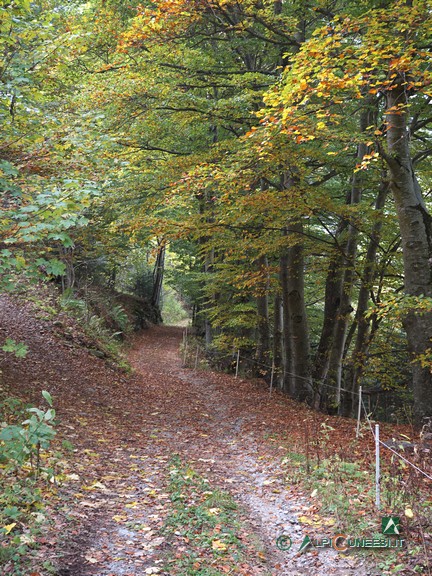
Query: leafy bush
<point>24,433</point>
<point>21,443</point>
<point>173,310</point>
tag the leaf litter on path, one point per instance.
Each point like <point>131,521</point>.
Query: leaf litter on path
<point>125,428</point>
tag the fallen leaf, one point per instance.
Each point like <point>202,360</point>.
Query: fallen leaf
<point>95,486</point>
<point>218,545</point>
<point>72,477</point>
<point>9,527</point>
<point>305,520</point>
<point>409,513</point>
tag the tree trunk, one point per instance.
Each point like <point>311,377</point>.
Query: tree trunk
<point>299,345</point>
<point>277,340</point>
<point>208,328</point>
<point>158,274</point>
<point>415,228</point>
<point>332,302</point>
<point>263,327</point>
<point>348,263</point>
<point>362,340</point>
<point>286,353</point>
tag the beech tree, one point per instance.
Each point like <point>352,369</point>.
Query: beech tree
<point>284,145</point>
<point>384,54</point>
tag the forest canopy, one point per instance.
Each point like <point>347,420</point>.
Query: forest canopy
<point>278,151</point>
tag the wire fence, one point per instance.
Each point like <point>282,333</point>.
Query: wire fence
<point>273,370</point>
<point>398,454</point>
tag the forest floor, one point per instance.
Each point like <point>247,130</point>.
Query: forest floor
<point>173,470</point>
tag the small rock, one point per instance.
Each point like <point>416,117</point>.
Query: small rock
<point>97,353</point>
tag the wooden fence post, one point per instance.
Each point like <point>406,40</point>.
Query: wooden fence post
<point>271,378</point>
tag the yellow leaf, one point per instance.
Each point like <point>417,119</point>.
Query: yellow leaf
<point>329,522</point>
<point>409,513</point>
<point>9,527</point>
<point>218,545</point>
<point>72,477</point>
<point>95,486</point>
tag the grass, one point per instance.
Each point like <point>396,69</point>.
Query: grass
<point>343,494</point>
<point>202,527</point>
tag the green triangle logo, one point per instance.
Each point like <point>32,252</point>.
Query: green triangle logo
<point>390,525</point>
<point>306,542</point>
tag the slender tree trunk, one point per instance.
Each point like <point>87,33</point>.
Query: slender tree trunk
<point>277,339</point>
<point>415,228</point>
<point>341,327</point>
<point>263,327</point>
<point>332,302</point>
<point>286,340</point>
<point>300,378</point>
<point>68,280</point>
<point>158,274</point>
<point>362,324</point>
<point>208,269</point>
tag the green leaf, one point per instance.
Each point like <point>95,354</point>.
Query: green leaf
<point>55,268</point>
<point>47,397</point>
<point>18,348</point>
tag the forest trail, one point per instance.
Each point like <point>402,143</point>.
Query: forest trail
<point>215,425</point>
<point>125,430</point>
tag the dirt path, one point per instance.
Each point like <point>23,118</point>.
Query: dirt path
<point>215,424</point>
<point>125,430</point>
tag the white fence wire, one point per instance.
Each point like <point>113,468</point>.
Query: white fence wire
<point>375,434</point>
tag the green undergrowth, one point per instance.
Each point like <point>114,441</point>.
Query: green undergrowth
<point>202,528</point>
<point>103,322</point>
<point>342,495</point>
<point>173,310</point>
<point>193,353</point>
<point>26,469</point>
<point>106,328</point>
